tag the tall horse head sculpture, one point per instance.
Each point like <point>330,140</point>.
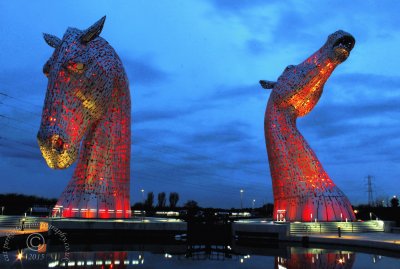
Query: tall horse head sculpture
<point>302,189</point>
<point>86,116</point>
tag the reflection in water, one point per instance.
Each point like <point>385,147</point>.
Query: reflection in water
<point>208,252</point>
<point>316,259</point>
<point>200,256</point>
<point>376,258</point>
<point>115,259</point>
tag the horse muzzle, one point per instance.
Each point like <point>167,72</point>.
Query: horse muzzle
<point>57,152</point>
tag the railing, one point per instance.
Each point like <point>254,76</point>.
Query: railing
<point>16,221</point>
<point>331,227</point>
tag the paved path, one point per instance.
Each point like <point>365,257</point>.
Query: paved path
<point>381,240</point>
<point>377,237</point>
<point>4,232</point>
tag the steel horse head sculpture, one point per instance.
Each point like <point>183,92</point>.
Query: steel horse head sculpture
<point>302,189</point>
<point>86,116</point>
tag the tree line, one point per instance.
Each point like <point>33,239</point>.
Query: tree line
<point>149,202</point>
<point>13,203</point>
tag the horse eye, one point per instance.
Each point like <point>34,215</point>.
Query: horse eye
<point>76,67</point>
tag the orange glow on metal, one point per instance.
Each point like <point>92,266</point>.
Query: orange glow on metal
<point>300,184</point>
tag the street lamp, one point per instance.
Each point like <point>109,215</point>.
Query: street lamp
<point>241,198</point>
<point>142,190</point>
<point>254,201</point>
<point>2,210</point>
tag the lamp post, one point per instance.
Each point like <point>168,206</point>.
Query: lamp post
<point>2,210</point>
<point>254,201</point>
<point>241,198</point>
<point>142,190</point>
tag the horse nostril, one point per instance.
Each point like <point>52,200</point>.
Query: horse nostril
<point>57,143</point>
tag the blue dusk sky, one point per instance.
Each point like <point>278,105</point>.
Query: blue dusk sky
<point>197,107</point>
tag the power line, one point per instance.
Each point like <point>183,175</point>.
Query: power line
<point>184,168</point>
<point>18,99</point>
<point>186,171</point>
<point>18,142</point>
<point>156,177</point>
<point>166,150</point>
<point>13,119</point>
<point>146,140</point>
<point>21,108</point>
<point>369,190</point>
<point>203,156</point>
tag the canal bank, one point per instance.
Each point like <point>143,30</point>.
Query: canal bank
<point>360,235</point>
<point>369,234</point>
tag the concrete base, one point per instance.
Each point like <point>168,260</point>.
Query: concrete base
<point>379,240</point>
<point>260,229</point>
<point>264,231</point>
<point>146,227</point>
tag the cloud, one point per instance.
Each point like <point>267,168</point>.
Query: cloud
<point>23,82</point>
<point>155,115</point>
<point>221,136</point>
<point>365,100</point>
<point>19,153</point>
<point>194,166</point>
<point>167,113</point>
<point>141,71</point>
<point>257,47</point>
<point>364,132</point>
<point>228,93</point>
<point>19,147</point>
<point>292,27</point>
<point>371,81</point>
<point>238,5</point>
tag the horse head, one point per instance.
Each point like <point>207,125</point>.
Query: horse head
<point>300,86</point>
<point>78,71</point>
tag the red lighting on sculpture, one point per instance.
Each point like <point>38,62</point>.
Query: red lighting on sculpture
<point>86,116</point>
<point>301,186</point>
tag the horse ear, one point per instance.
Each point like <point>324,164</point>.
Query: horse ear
<point>266,84</point>
<point>93,31</point>
<point>52,40</point>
